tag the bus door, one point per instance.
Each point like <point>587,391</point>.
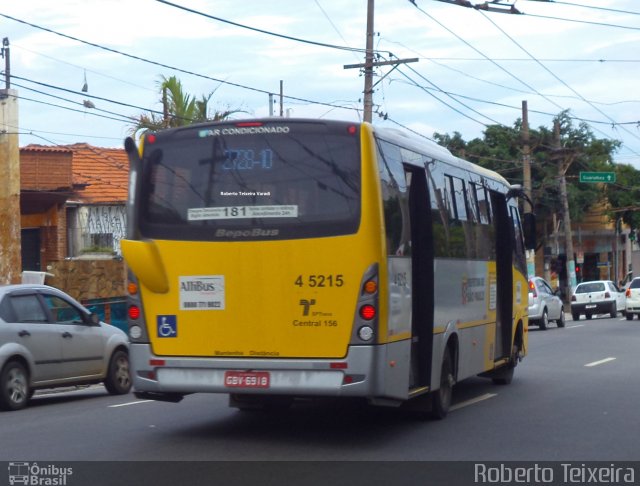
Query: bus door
<point>422,277</point>
<point>504,272</point>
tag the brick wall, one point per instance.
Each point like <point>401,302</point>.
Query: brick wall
<point>45,171</point>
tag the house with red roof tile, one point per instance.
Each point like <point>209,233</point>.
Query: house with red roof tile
<point>72,215</point>
<point>73,201</point>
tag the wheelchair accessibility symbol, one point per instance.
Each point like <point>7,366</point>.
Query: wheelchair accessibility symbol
<point>167,326</point>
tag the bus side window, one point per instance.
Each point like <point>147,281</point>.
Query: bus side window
<point>440,212</point>
<point>519,257</point>
<point>395,199</point>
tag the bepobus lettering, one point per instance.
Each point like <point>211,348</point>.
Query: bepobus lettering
<point>256,232</point>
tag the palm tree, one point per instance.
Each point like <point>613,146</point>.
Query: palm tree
<point>179,109</point>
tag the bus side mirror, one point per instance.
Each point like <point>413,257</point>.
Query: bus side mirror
<point>529,229</point>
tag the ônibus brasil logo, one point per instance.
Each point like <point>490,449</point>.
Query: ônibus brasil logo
<point>34,474</point>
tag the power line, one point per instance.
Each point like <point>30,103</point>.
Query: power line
<point>492,83</point>
<point>556,77</point>
<point>468,44</point>
<point>487,5</point>
<point>261,31</point>
<point>608,9</point>
<point>449,96</point>
<point>467,4</point>
<point>159,64</point>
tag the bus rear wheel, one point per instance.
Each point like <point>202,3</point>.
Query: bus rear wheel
<point>441,398</point>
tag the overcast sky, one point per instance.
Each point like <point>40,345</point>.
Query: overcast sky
<point>475,68</point>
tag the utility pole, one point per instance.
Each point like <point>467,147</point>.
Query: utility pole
<point>369,64</point>
<point>565,158</point>
<point>10,245</point>
<point>526,180</point>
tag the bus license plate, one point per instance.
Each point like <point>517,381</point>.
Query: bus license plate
<point>246,379</point>
<point>590,306</point>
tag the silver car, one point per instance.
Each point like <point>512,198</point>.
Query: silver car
<point>47,339</point>
<point>545,305</point>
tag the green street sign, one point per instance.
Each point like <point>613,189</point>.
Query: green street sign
<point>606,177</point>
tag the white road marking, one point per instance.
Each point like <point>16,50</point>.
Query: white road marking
<point>130,403</point>
<point>577,325</point>
<point>602,361</point>
<point>472,401</point>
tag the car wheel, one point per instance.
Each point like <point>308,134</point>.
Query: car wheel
<point>576,317</point>
<point>560,322</point>
<point>588,316</point>
<point>442,397</point>
<point>544,320</point>
<point>118,381</point>
<point>14,381</point>
<point>629,316</point>
<point>614,311</point>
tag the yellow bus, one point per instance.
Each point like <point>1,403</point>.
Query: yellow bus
<point>276,259</point>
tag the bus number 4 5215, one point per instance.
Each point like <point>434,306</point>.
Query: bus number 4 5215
<point>320,280</point>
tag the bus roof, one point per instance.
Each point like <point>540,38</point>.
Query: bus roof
<point>430,148</point>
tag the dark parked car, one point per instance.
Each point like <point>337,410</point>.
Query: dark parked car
<point>47,340</point>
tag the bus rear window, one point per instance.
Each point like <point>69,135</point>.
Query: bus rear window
<point>273,180</point>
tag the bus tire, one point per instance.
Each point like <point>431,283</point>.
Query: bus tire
<point>441,398</point>
<point>504,375</point>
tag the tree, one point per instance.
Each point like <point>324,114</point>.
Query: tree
<point>500,150</point>
<point>179,109</point>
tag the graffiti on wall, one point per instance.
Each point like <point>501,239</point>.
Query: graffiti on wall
<point>102,227</point>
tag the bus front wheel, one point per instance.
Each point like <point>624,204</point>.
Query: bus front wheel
<point>441,398</point>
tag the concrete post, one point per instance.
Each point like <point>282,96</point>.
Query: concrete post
<point>10,245</point>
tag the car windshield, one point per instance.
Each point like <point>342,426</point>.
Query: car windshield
<point>635,283</point>
<point>590,287</point>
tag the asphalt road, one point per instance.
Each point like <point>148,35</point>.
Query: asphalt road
<point>574,398</point>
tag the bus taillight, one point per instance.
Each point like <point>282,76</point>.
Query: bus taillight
<point>134,312</point>
<point>367,312</point>
<point>132,288</point>
<point>370,287</point>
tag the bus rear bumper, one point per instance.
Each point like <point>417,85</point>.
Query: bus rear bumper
<point>352,376</point>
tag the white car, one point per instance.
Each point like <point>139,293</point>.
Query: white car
<point>544,304</point>
<point>597,297</point>
<point>632,306</point>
